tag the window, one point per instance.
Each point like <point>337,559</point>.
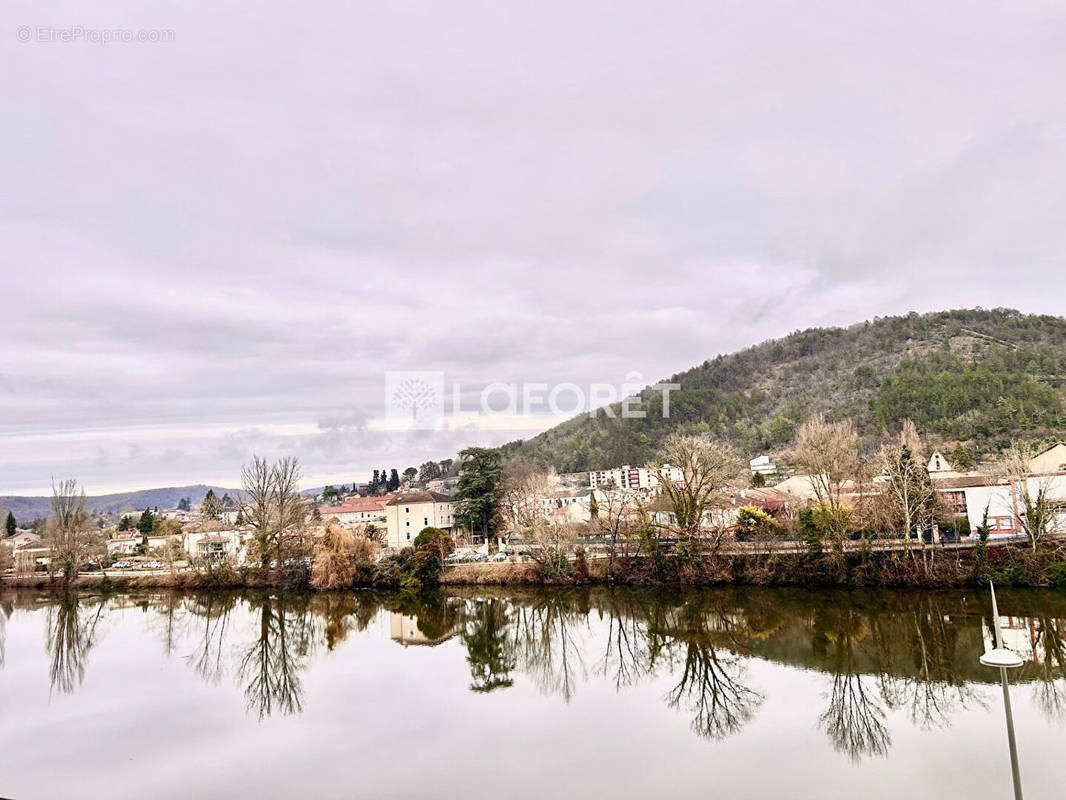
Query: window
<point>409,536</point>
<point>407,510</point>
<point>425,520</point>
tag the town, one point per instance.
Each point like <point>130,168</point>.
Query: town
<point>699,508</point>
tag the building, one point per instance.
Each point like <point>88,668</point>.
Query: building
<point>123,543</point>
<point>568,505</point>
<point>214,541</point>
<point>405,629</point>
<point>632,478</point>
<point>357,510</point>
<point>1052,460</point>
<point>938,464</point>
<point>408,513</point>
<point>974,496</point>
<point>762,465</point>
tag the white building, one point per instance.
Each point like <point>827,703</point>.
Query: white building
<point>633,478</point>
<point>358,510</point>
<point>408,513</point>
<point>762,465</point>
<point>973,494</point>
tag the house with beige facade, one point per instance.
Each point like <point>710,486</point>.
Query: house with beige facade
<point>408,513</point>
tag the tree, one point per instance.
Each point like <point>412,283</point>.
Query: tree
<point>146,523</point>
<point>126,523</point>
<point>829,451</point>
<point>68,531</point>
<point>525,505</point>
<point>330,494</point>
<point>184,504</point>
<point>910,492</point>
<point>334,564</point>
<point>706,466</point>
<point>758,480</point>
<point>961,459</point>
<point>10,526</point>
<point>429,471</point>
<point>1035,510</point>
<point>394,481</point>
<point>274,506</point>
<point>375,482</point>
<point>211,507</point>
<point>410,474</point>
<point>477,494</point>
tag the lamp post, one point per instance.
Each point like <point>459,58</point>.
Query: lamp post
<point>1005,659</point>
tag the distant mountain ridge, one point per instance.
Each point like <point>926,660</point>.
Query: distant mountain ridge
<point>972,376</point>
<point>29,508</point>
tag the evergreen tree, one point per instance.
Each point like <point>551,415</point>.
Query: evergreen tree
<point>374,482</point>
<point>479,490</point>
<point>211,508</point>
<point>394,481</point>
<point>184,504</point>
<point>10,525</point>
<point>410,474</point>
<point>146,523</point>
<point>126,523</point>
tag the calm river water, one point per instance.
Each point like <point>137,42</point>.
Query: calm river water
<point>508,693</point>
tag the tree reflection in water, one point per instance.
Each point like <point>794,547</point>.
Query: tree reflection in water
<point>72,632</point>
<point>915,654</point>
<point>855,718</point>
<point>271,664</point>
<point>489,650</point>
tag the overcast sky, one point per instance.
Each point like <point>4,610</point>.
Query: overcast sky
<point>220,244</point>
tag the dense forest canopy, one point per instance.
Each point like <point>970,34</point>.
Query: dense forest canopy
<point>979,377</point>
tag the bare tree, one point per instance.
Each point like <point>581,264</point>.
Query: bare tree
<point>707,467</point>
<point>1035,511</point>
<point>68,532</point>
<point>912,498</point>
<point>526,505</point>
<point>829,452</point>
<point>273,506</point>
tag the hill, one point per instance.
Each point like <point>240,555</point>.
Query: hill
<point>26,509</point>
<point>977,377</point>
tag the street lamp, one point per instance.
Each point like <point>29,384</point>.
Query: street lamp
<point>1005,659</point>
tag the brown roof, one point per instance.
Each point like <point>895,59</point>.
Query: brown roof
<point>964,481</point>
<point>420,497</point>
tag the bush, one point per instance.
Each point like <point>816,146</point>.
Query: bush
<point>556,566</point>
<point>335,563</point>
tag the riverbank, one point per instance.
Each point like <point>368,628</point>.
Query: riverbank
<point>1007,565</point>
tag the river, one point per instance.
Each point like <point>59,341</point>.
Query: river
<point>615,693</point>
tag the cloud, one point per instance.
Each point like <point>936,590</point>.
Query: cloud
<point>220,244</point>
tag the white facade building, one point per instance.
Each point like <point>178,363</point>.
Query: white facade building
<point>632,478</point>
<point>407,514</point>
<point>762,465</point>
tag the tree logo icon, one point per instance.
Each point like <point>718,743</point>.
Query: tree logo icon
<point>414,400</point>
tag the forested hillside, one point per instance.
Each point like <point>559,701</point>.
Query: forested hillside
<point>978,377</point>
<point>29,508</point>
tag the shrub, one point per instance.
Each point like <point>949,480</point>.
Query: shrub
<point>335,561</point>
<point>556,566</point>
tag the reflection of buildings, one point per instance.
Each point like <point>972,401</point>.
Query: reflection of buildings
<point>1023,635</point>
<point>404,629</point>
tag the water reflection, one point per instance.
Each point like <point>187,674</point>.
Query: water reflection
<point>876,653</point>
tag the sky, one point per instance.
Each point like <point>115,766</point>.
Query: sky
<point>219,241</point>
